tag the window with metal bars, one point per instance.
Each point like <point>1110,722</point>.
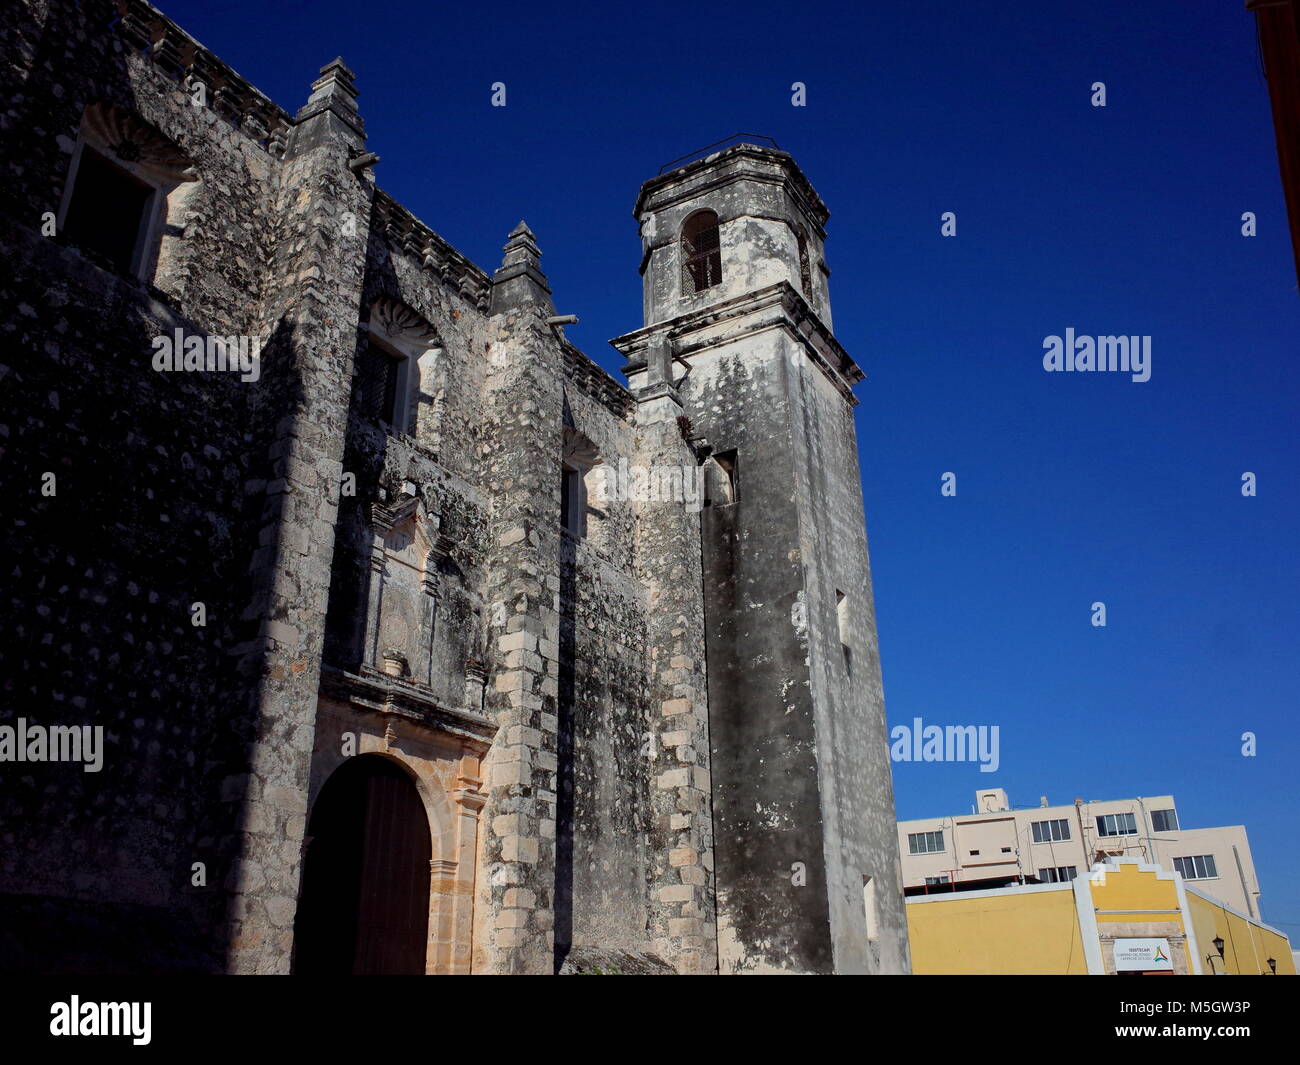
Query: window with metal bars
<point>375,387</point>
<point>701,252</point>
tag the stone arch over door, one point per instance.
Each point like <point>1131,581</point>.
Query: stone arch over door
<point>443,764</point>
<point>364,904</point>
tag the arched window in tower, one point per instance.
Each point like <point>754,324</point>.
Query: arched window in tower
<point>701,252</point>
<point>805,270</point>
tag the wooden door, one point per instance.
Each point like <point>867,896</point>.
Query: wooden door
<point>364,905</point>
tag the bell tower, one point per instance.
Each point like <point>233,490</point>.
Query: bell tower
<point>732,223</point>
<point>738,332</point>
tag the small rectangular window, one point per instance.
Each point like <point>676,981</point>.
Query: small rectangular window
<point>1054,831</point>
<point>1164,821</point>
<point>1058,874</point>
<point>572,500</point>
<point>933,880</point>
<point>1116,825</point>
<point>720,479</point>
<point>925,842</point>
<point>1198,867</point>
<point>869,908</point>
<point>375,385</point>
<point>108,212</point>
<point>842,616</point>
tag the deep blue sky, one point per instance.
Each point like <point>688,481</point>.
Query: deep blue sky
<point>1071,488</point>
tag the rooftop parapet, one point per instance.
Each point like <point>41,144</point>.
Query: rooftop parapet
<point>180,58</point>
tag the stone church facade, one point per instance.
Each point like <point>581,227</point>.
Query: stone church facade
<point>418,643</point>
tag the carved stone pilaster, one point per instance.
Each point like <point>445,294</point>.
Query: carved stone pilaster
<point>475,684</point>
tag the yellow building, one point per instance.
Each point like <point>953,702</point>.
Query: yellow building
<point>1124,917</point>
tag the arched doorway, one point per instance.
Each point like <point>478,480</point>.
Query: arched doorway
<point>364,905</point>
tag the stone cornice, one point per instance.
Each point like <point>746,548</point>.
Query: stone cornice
<point>407,235</point>
<point>182,59</point>
<point>384,694</point>
<point>742,162</point>
<point>776,306</point>
<point>592,380</point>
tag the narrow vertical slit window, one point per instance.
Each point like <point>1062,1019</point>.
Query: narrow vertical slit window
<point>720,479</point>
<point>842,616</point>
<point>571,500</point>
<point>805,271</point>
<point>869,910</point>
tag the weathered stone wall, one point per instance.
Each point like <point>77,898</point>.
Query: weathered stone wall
<point>807,871</point>
<point>546,689</point>
<point>767,795</point>
<point>604,780</point>
<point>848,697</point>
<point>155,508</point>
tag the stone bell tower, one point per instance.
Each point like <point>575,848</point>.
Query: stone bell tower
<point>738,331</point>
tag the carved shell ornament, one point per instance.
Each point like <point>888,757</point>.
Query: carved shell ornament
<point>579,451</point>
<point>134,141</point>
<point>400,322</point>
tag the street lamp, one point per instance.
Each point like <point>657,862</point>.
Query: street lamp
<point>1218,946</point>
<point>1272,966</point>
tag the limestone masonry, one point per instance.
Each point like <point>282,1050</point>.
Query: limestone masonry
<point>418,643</point>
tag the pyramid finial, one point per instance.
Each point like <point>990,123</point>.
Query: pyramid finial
<point>520,279</point>
<point>334,91</point>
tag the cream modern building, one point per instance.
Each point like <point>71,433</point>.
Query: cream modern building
<point>995,845</point>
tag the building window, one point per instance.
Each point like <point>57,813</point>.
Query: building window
<point>869,909</point>
<point>1061,874</point>
<point>571,500</point>
<point>805,273</point>
<point>720,479</point>
<point>701,252</point>
<point>1116,825</point>
<point>974,854</point>
<point>109,212</point>
<point>125,182</point>
<point>925,842</point>
<point>376,386</point>
<point>1199,867</point>
<point>583,478</point>
<point>1051,831</point>
<point>1164,821</point>
<point>842,617</point>
<point>402,362</point>
<point>932,881</point>
<point>1006,850</point>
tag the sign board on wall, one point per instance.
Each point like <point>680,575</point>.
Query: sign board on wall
<point>1143,955</point>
